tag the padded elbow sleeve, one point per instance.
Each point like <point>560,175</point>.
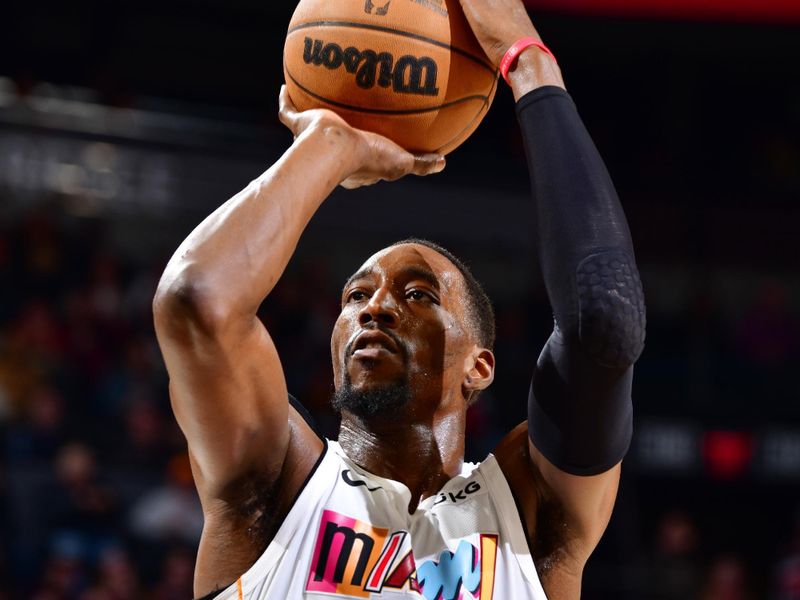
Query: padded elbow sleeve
<point>611,312</point>
<point>580,414</point>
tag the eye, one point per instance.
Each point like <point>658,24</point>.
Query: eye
<point>419,295</point>
<point>356,296</point>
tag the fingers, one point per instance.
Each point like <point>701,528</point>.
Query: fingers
<point>386,160</point>
<point>420,164</point>
<point>287,113</point>
<point>412,164</point>
<point>352,183</point>
<point>428,164</point>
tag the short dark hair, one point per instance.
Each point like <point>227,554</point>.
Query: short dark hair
<point>480,311</point>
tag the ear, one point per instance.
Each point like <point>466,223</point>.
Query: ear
<point>479,371</point>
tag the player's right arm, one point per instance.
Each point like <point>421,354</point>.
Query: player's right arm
<point>250,450</point>
<point>227,386</point>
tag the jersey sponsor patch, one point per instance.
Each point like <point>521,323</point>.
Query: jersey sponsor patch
<point>356,559</point>
<point>457,496</point>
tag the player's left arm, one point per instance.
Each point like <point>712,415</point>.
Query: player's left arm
<point>579,410</point>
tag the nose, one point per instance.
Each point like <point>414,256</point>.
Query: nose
<point>381,308</point>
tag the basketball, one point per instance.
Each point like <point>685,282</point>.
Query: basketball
<point>410,70</point>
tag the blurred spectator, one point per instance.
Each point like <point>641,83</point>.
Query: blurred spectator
<point>32,349</point>
<point>104,290</point>
<point>80,504</point>
<point>675,571</point>
<point>787,578</point>
<point>767,335</point>
<point>64,574</point>
<point>171,512</point>
<point>41,431</point>
<point>149,439</point>
<point>42,255</point>
<point>89,354</point>
<point>177,576</point>
<point>727,579</point>
<point>117,578</point>
<point>768,341</point>
<point>165,515</point>
<point>787,572</point>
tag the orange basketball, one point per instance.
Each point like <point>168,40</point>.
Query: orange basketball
<point>411,70</point>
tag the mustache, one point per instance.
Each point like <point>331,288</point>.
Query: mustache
<point>401,345</point>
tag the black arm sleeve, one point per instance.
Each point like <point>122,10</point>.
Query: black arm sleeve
<point>579,408</point>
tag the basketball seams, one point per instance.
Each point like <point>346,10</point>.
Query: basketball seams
<point>399,32</point>
<point>462,135</point>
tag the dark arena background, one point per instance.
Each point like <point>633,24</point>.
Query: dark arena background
<point>122,124</point>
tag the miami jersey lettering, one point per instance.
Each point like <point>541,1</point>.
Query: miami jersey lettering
<point>354,559</point>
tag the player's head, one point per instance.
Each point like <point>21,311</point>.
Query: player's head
<point>416,330</point>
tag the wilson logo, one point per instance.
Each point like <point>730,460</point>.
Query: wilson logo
<point>379,10</point>
<point>354,559</point>
<point>405,75</point>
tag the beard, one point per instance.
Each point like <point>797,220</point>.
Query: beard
<point>386,399</point>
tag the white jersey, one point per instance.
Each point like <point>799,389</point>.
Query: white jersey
<point>349,535</point>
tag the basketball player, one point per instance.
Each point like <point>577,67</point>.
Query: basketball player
<point>391,510</point>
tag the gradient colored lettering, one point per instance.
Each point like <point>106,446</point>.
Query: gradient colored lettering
<point>468,569</point>
<point>354,559</point>
<point>346,551</point>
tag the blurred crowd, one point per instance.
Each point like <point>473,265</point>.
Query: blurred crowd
<point>97,496</point>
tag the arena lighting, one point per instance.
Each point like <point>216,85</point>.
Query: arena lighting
<point>665,446</point>
<point>682,448</point>
<point>780,455</point>
<point>772,11</point>
<point>727,454</point>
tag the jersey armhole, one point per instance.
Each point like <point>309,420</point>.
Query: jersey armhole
<point>226,591</point>
<point>513,528</point>
<point>303,412</point>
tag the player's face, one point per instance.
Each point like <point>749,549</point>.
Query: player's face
<point>403,323</point>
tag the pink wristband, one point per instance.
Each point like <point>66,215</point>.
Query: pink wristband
<point>516,49</point>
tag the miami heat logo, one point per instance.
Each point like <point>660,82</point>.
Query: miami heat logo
<point>353,559</point>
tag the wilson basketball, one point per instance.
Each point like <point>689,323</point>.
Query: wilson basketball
<point>411,70</point>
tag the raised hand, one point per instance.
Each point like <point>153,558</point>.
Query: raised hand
<point>375,158</point>
<point>497,24</point>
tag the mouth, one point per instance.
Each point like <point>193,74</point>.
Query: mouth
<point>373,343</point>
